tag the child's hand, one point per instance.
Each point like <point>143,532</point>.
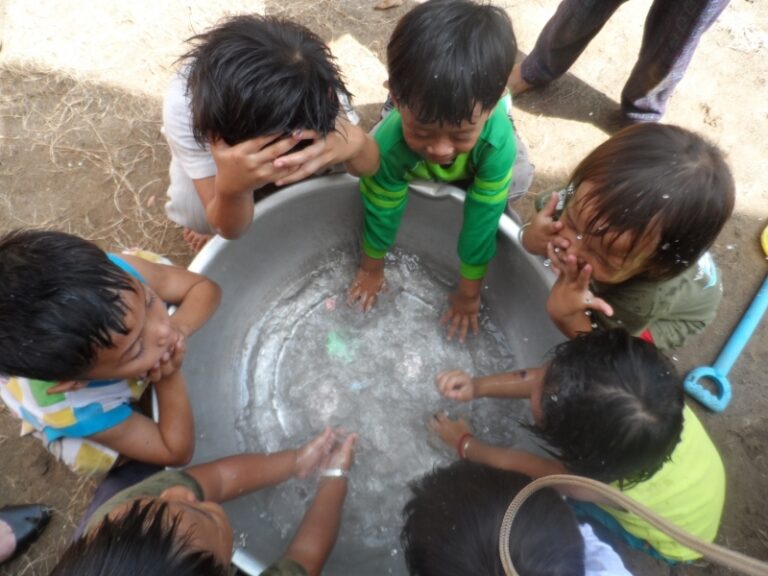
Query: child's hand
<point>463,308</point>
<point>368,282</point>
<point>450,431</point>
<point>172,360</point>
<point>570,301</point>
<point>313,452</point>
<point>342,455</point>
<point>456,385</point>
<point>545,229</point>
<point>338,146</point>
<point>250,165</point>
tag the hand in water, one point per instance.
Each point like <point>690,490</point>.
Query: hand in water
<point>342,455</point>
<point>456,385</point>
<point>450,431</point>
<point>462,313</point>
<point>309,456</point>
<point>368,282</point>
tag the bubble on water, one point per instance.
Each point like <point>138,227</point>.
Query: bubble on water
<point>393,552</point>
<point>665,196</point>
<point>665,246</point>
<point>547,263</point>
<point>730,247</point>
<point>594,326</point>
<point>553,397</point>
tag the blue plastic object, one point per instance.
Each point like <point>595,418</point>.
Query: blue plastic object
<point>718,373</point>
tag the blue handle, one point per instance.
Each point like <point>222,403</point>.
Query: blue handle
<point>718,373</point>
<point>743,331</point>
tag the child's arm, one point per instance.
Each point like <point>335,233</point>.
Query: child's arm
<point>458,385</point>
<point>234,476</point>
<point>453,431</point>
<point>317,533</point>
<point>195,296</point>
<point>170,441</point>
<point>241,169</point>
<point>570,301</point>
<point>348,144</point>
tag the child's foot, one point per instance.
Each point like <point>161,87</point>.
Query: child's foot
<point>516,83</point>
<point>195,240</point>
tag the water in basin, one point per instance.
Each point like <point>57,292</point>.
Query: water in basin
<point>312,361</point>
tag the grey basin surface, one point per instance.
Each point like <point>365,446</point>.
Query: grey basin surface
<point>291,230</point>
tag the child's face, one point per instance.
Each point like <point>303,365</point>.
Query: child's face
<point>205,523</point>
<point>614,259</point>
<point>149,339</point>
<point>441,143</point>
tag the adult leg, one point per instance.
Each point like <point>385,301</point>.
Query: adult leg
<point>564,38</point>
<point>672,32</point>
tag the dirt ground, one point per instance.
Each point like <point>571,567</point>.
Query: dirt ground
<point>81,150</point>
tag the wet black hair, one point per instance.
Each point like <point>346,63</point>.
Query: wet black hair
<point>655,177</point>
<point>143,541</point>
<point>612,407</point>
<point>60,302</point>
<point>453,520</point>
<point>258,75</point>
<point>445,57</point>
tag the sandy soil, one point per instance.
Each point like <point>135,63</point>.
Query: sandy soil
<point>81,150</point>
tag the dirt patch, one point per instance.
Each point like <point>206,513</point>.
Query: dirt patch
<point>81,150</point>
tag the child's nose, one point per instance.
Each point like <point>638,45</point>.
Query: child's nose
<point>441,148</point>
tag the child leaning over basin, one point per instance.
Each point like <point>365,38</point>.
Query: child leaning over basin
<point>452,525</point>
<point>83,333</point>
<point>630,233</point>
<point>448,61</point>
<point>251,90</point>
<point>171,522</point>
<point>609,407</point>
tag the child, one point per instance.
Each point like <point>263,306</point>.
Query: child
<point>171,522</point>
<point>629,236</point>
<point>448,61</point>
<point>610,407</point>
<point>253,89</point>
<point>453,522</point>
<point>82,333</point>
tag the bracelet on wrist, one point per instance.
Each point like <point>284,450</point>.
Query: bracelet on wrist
<point>461,446</point>
<point>521,231</point>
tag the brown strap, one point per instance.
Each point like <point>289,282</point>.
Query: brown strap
<point>712,552</point>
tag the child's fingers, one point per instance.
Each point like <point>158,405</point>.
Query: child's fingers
<point>475,324</point>
<point>453,325</point>
<point>464,324</point>
<point>555,260</point>
<point>601,306</point>
<point>584,276</point>
<point>551,207</point>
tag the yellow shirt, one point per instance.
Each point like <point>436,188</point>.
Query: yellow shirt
<point>689,491</point>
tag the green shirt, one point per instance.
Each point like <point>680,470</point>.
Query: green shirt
<point>672,310</point>
<point>689,491</point>
<point>488,165</point>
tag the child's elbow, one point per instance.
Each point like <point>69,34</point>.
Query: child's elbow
<point>182,454</point>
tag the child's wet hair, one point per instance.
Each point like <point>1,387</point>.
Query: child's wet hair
<point>445,57</point>
<point>612,407</point>
<point>145,540</point>
<point>259,75</point>
<point>60,302</point>
<point>453,520</point>
<point>655,178</point>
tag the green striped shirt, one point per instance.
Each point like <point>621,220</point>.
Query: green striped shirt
<point>488,166</point>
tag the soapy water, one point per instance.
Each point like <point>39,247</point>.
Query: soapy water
<point>313,361</point>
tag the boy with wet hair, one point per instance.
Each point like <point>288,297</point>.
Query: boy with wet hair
<point>452,525</point>
<point>171,522</point>
<point>630,233</point>
<point>252,92</point>
<point>82,334</point>
<point>609,407</point>
<point>447,61</point>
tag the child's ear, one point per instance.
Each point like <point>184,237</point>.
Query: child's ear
<point>66,386</point>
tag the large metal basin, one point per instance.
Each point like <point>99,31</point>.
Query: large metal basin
<point>291,229</point>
